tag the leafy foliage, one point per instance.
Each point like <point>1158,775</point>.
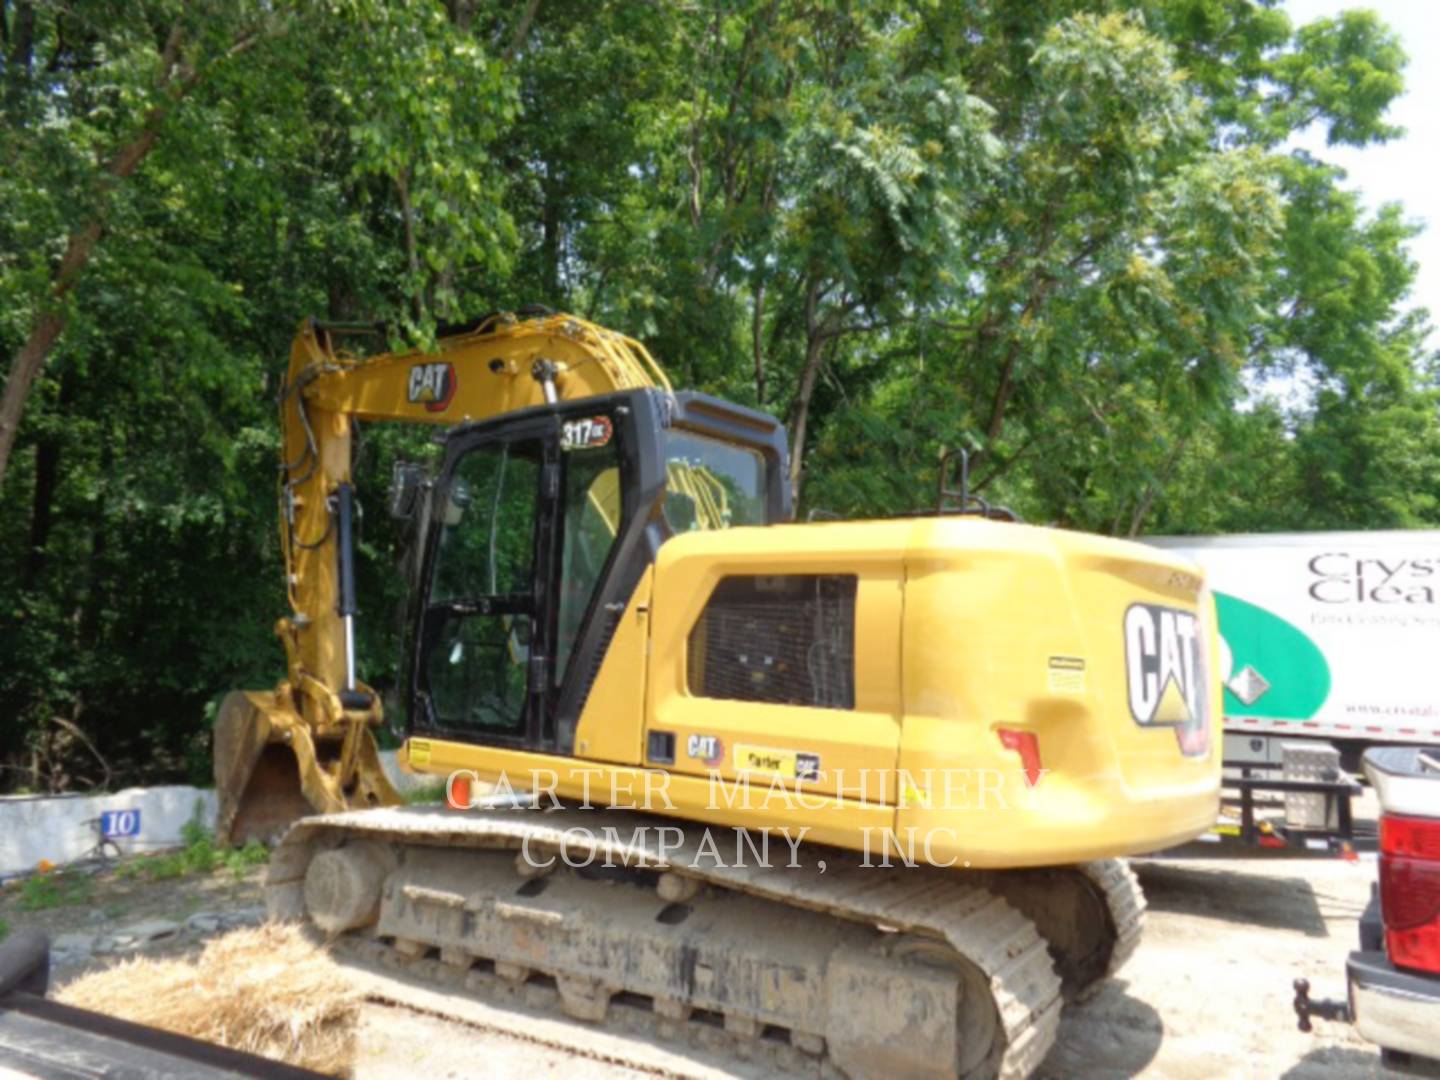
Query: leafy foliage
<point>199,855</point>
<point>55,888</point>
<point>1066,234</point>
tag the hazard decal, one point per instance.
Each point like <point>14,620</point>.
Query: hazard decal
<point>1165,673</point>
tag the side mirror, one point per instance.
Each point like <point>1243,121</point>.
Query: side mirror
<point>406,481</point>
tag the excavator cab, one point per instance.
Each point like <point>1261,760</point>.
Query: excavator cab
<point>541,526</point>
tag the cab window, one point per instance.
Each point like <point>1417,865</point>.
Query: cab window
<point>712,484</point>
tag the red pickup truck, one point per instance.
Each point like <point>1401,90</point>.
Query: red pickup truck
<point>1394,977</point>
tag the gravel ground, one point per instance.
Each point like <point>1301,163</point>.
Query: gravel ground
<point>1207,995</point>
<point>128,916</point>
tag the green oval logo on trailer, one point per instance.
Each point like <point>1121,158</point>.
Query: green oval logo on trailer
<point>1276,672</point>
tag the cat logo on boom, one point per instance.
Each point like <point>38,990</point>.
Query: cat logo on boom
<point>1165,673</point>
<point>432,384</point>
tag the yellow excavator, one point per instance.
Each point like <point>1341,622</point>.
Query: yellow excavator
<point>839,795</point>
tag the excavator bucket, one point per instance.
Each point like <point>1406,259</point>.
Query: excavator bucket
<point>269,772</point>
<point>257,778</point>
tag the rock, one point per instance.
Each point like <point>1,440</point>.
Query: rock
<point>139,936</point>
<point>248,916</point>
<point>71,948</point>
<point>205,922</point>
<point>97,916</point>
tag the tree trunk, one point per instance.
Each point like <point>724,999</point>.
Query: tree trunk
<point>1154,489</point>
<point>24,368</point>
<point>50,318</point>
<point>757,342</point>
<point>517,39</point>
<point>412,250</point>
<point>42,500</point>
<point>814,353</point>
<point>550,244</point>
<point>91,606</point>
<point>1003,390</point>
<point>817,334</point>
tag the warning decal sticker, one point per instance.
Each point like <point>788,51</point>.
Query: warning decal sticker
<point>1066,675</point>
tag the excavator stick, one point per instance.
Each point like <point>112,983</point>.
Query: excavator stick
<point>270,770</point>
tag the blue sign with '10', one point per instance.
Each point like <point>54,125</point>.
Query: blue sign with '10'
<point>118,824</point>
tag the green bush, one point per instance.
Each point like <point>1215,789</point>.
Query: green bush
<point>200,855</point>
<point>58,888</point>
<point>426,794</point>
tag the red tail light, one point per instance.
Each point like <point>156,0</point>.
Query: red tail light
<point>1027,745</point>
<point>1413,837</point>
<point>1410,891</point>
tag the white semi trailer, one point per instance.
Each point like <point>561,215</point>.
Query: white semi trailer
<point>1330,636</point>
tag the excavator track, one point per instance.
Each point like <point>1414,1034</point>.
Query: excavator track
<point>1125,905</point>
<point>1091,916</point>
<point>809,960</point>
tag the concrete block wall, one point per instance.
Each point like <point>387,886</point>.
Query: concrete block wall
<point>66,828</point>
<point>63,829</point>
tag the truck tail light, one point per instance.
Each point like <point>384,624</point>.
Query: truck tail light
<point>1410,891</point>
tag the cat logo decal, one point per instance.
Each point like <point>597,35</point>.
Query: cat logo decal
<point>1165,673</point>
<point>433,385</point>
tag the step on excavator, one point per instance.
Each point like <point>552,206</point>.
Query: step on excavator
<point>838,797</point>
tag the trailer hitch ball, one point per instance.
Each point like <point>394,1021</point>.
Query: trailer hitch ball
<point>1326,1009</point>
<point>1302,1004</point>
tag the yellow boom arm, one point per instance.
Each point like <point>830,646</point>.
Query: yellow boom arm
<point>308,743</point>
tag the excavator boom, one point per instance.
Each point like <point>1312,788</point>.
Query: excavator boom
<point>308,743</point>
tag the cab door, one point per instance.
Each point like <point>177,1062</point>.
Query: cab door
<point>522,578</point>
<point>481,665</point>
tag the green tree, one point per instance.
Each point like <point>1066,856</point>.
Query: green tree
<point>1069,235</point>
<point>141,574</point>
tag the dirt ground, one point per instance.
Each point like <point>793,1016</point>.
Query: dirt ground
<point>1207,995</point>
